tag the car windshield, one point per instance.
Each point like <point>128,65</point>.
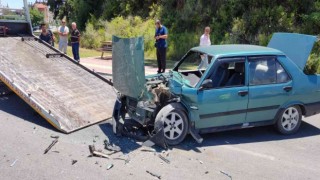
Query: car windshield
<point>194,61</point>
<point>192,66</point>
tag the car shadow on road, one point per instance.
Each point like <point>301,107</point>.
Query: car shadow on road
<point>250,135</point>
<point>14,105</point>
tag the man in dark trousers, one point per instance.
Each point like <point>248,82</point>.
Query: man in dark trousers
<point>161,44</point>
<point>75,40</point>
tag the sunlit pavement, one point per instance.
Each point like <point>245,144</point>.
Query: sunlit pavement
<point>105,65</point>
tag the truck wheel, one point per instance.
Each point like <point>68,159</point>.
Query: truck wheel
<point>290,120</point>
<point>174,121</point>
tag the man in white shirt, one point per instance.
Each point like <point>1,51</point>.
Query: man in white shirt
<point>63,36</point>
<point>205,41</point>
<point>205,38</point>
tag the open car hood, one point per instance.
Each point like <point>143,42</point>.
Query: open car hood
<point>296,46</point>
<point>128,65</point>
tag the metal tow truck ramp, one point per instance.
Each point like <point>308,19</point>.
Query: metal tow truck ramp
<point>65,93</point>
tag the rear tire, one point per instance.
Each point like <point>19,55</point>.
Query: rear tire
<point>289,121</point>
<point>174,121</point>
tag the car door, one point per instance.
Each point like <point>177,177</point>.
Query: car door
<point>269,88</point>
<point>226,102</point>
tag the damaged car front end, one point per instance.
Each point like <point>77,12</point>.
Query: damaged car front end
<point>142,98</point>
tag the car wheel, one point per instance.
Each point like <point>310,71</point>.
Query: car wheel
<point>174,121</point>
<point>290,120</point>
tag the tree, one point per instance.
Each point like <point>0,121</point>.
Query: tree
<point>36,17</point>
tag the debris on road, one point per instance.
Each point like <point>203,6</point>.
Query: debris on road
<point>207,172</point>
<point>111,147</point>
<point>153,174</point>
<point>126,161</point>
<point>148,143</point>
<point>226,174</point>
<point>54,136</point>
<point>148,150</point>
<point>156,139</point>
<point>34,130</point>
<point>201,162</point>
<point>56,151</point>
<point>95,138</point>
<point>164,159</point>
<point>51,145</point>
<point>14,162</point>
<point>96,153</point>
<point>74,161</point>
<point>109,166</point>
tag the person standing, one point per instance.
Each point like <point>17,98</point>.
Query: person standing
<point>63,36</point>
<point>161,44</point>
<point>46,35</point>
<point>75,41</point>
<point>205,41</point>
<point>205,38</point>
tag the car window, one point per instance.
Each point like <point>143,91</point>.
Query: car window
<point>266,70</point>
<point>195,61</point>
<point>228,73</point>
<point>282,75</point>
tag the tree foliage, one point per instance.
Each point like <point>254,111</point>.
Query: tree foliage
<point>36,17</point>
<point>231,21</point>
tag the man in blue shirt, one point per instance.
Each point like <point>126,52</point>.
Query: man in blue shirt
<point>161,44</point>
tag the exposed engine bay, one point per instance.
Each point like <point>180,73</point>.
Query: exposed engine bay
<point>153,98</point>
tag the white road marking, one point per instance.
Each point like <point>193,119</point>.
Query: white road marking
<point>272,158</point>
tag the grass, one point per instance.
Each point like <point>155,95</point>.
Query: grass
<point>83,52</point>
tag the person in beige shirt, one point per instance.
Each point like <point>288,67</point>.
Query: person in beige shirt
<point>63,31</point>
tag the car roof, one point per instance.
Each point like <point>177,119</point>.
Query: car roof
<point>236,50</point>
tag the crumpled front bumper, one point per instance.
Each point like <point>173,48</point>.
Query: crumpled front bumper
<point>118,124</point>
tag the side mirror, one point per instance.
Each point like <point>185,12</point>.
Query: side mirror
<point>207,84</point>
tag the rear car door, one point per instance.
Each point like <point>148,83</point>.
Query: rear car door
<point>269,87</point>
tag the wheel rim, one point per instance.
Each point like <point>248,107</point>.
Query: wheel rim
<point>173,126</point>
<point>290,118</point>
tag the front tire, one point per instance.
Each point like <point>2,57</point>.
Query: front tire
<point>174,121</point>
<point>290,120</point>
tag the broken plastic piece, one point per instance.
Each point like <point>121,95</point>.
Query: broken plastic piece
<point>157,139</point>
<point>109,166</point>
<point>14,162</point>
<point>111,147</point>
<point>51,145</point>
<point>226,174</point>
<point>54,136</point>
<point>164,159</point>
<point>93,152</point>
<point>153,174</point>
<point>196,135</point>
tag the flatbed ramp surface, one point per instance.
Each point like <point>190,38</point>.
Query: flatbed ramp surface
<point>67,95</point>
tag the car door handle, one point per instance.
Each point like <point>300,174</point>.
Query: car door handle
<point>242,93</point>
<point>287,88</point>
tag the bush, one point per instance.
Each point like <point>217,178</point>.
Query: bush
<point>179,44</point>
<point>312,66</point>
<point>92,37</point>
<point>133,27</point>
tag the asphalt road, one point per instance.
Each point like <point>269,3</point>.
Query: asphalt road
<point>256,153</point>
